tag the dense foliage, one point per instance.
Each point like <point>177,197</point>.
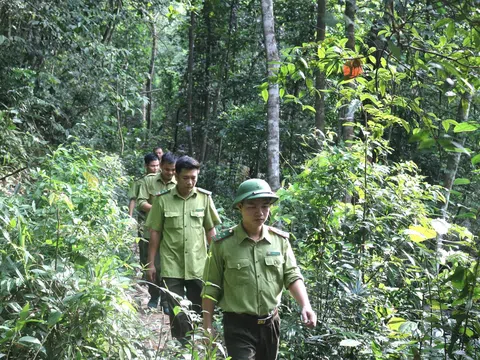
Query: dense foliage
<point>381,178</point>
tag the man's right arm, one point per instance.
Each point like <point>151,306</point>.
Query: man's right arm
<point>155,237</point>
<point>131,207</point>
<point>143,196</point>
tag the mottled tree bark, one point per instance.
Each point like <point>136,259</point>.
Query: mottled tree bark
<point>151,72</point>
<point>350,10</point>
<point>454,157</point>
<point>273,103</point>
<point>191,40</point>
<point>320,75</point>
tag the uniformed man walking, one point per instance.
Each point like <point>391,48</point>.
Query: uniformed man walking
<point>182,220</point>
<point>150,187</point>
<point>246,271</point>
<point>152,165</point>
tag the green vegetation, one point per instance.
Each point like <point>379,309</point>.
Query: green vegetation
<point>380,173</point>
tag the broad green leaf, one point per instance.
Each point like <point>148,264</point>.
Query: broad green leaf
<point>465,127</point>
<point>350,343</point>
<point>461,181</point>
<point>92,180</point>
<point>54,317</point>
<point>450,30</point>
<point>419,233</point>
<point>407,327</point>
<point>395,322</point>
<point>265,95</point>
<point>30,341</point>
<point>476,159</point>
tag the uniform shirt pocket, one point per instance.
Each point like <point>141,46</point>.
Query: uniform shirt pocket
<point>238,272</point>
<point>274,265</point>
<point>172,220</point>
<point>197,218</point>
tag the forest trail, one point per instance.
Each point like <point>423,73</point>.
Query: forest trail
<point>155,321</point>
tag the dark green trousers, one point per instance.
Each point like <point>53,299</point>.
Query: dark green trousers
<point>246,339</point>
<point>180,324</point>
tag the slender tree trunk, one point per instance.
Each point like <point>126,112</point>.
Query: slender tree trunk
<point>206,113</point>
<point>151,72</point>
<point>350,10</point>
<point>320,76</point>
<point>191,40</point>
<point>452,162</point>
<point>273,104</point>
<point>454,158</point>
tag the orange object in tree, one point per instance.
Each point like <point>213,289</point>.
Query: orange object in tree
<point>352,68</point>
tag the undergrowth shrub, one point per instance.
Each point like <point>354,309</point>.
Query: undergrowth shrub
<point>367,237</point>
<point>65,262</point>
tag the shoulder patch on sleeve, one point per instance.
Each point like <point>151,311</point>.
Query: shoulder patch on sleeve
<point>203,191</point>
<point>279,232</point>
<point>223,235</point>
<point>163,192</point>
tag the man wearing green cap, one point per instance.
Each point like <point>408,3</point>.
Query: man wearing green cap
<point>246,270</point>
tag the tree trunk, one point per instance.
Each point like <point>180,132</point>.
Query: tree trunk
<point>273,104</point>
<point>320,76</point>
<point>206,113</point>
<point>191,39</point>
<point>454,158</point>
<point>151,72</point>
<point>350,10</point>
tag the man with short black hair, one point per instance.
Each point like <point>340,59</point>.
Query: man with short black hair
<point>182,220</point>
<point>152,165</point>
<point>152,186</point>
<point>158,151</point>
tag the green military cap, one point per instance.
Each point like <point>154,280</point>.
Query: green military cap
<point>254,189</point>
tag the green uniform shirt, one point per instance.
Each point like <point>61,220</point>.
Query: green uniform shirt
<point>248,277</point>
<point>182,224</point>
<point>133,193</point>
<point>151,186</point>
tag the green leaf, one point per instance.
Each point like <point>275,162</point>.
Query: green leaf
<point>419,233</point>
<point>476,159</point>
<point>395,322</point>
<point>350,343</point>
<point>30,341</point>
<point>54,317</point>
<point>465,127</point>
<point>461,181</point>
<point>265,95</point>
<point>450,30</point>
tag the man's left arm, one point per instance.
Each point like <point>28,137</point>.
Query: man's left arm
<point>299,293</point>
<point>211,219</point>
<point>293,280</point>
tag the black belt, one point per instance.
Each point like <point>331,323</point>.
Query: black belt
<point>258,319</point>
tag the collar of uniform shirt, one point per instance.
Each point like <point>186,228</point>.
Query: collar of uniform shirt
<point>194,192</point>
<point>242,235</point>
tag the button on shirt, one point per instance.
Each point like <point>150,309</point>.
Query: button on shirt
<point>246,276</point>
<point>183,224</point>
<point>151,186</point>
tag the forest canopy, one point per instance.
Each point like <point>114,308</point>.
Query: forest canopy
<point>362,115</point>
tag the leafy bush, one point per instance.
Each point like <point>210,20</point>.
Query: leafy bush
<point>65,262</point>
<point>379,281</point>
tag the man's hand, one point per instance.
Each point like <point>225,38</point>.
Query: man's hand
<point>309,317</point>
<point>151,272</point>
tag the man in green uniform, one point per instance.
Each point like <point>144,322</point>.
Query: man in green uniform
<point>159,152</point>
<point>152,165</point>
<point>152,186</point>
<point>182,220</point>
<point>247,268</point>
